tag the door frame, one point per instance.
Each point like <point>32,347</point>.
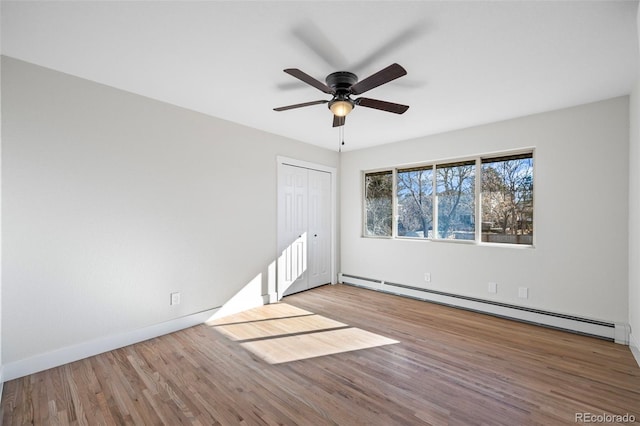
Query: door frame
<point>287,161</point>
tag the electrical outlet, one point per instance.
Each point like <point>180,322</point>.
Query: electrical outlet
<point>493,288</point>
<point>427,277</point>
<point>523,292</point>
<point>175,298</point>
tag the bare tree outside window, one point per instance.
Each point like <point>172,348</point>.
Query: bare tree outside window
<point>455,186</point>
<point>439,201</point>
<point>379,203</point>
<point>415,202</point>
<point>507,199</point>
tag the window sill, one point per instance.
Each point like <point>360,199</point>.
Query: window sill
<point>464,242</point>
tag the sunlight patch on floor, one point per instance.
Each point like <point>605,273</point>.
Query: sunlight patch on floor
<point>281,333</point>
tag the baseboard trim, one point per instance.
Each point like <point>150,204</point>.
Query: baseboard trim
<point>634,345</point>
<point>1,382</point>
<point>270,298</point>
<point>240,304</point>
<point>45,361</point>
<point>617,332</point>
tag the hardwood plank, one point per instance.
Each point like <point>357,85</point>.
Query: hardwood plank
<point>450,367</point>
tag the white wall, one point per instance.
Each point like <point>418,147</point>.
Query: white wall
<point>634,214</point>
<point>111,201</point>
<point>1,364</point>
<point>579,264</point>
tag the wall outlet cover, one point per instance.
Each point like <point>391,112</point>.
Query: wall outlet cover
<point>523,292</point>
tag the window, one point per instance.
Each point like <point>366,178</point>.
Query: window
<point>507,199</point>
<point>455,184</point>
<point>441,202</point>
<point>415,202</point>
<point>378,195</point>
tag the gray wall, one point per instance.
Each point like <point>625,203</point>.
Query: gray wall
<point>579,263</point>
<point>634,215</point>
<point>111,201</point>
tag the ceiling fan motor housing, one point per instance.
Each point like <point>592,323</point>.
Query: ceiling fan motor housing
<point>341,81</point>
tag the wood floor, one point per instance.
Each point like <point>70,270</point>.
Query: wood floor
<point>449,367</point>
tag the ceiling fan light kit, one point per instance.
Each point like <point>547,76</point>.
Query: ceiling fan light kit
<point>342,85</point>
<point>341,107</point>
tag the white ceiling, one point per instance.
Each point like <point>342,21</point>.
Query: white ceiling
<point>468,63</point>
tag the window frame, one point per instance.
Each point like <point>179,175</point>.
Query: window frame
<point>479,160</point>
<point>516,155</point>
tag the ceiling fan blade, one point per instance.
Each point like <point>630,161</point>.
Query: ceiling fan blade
<point>309,80</point>
<point>338,121</point>
<point>312,36</point>
<point>284,108</point>
<point>383,76</point>
<point>403,38</point>
<point>382,105</point>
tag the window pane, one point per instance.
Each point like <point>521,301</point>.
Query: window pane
<point>507,200</point>
<point>378,202</point>
<point>455,185</point>
<point>415,203</point>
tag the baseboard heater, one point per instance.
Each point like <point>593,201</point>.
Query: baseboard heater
<point>614,332</point>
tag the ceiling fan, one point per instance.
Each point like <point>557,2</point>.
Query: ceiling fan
<point>342,85</point>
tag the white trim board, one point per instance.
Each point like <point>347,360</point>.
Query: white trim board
<point>45,361</point>
<point>617,332</point>
<point>634,345</point>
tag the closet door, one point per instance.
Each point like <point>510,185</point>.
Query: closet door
<point>319,218</point>
<point>292,228</point>
<point>304,229</point>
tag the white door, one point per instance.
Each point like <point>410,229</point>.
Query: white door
<point>319,217</point>
<point>304,229</point>
<point>292,229</point>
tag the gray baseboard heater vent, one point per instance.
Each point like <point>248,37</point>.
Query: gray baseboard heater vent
<point>615,332</point>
